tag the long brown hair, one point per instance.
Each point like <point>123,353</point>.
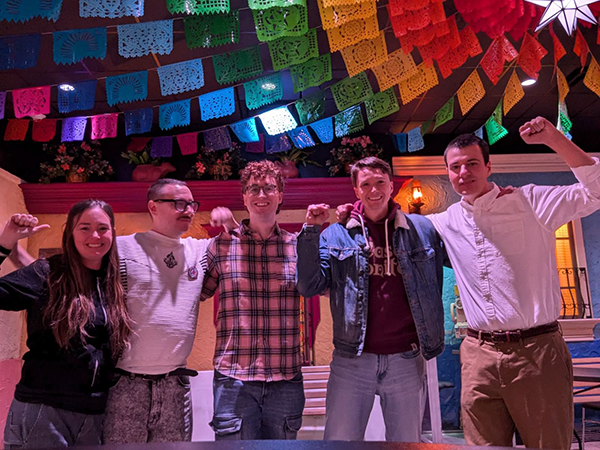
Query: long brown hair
<point>71,304</point>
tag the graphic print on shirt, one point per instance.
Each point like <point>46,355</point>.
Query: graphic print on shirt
<point>170,260</point>
<point>378,261</point>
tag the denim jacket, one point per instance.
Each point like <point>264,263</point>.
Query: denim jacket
<point>338,260</point>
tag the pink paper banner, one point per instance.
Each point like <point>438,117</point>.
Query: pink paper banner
<point>104,126</point>
<point>188,143</point>
<point>32,101</point>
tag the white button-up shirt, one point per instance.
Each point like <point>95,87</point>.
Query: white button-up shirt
<point>503,250</point>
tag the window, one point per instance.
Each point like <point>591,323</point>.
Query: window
<point>572,273</point>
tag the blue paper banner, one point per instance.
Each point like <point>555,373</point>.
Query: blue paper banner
<point>76,97</point>
<point>138,121</point>
<point>324,129</point>
<point>217,104</point>
<point>479,132</point>
<point>401,142</point>
<point>415,140</point>
<point>73,129</point>
<point>21,11</point>
<point>217,139</point>
<point>181,77</point>
<point>127,88</point>
<point>246,130</point>
<point>139,39</point>
<point>349,121</point>
<point>19,52</point>
<point>277,144</point>
<point>111,9</point>
<point>2,104</point>
<point>75,45</point>
<point>176,114</point>
<point>162,147</point>
<point>301,137</point>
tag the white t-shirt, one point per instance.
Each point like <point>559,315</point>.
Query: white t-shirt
<point>162,278</point>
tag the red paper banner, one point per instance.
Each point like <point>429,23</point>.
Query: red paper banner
<point>499,51</point>
<point>31,101</point>
<point>188,143</point>
<point>256,147</point>
<point>438,47</point>
<point>16,129</point>
<point>559,49</point>
<point>581,48</point>
<point>43,130</point>
<point>530,56</point>
<point>455,58</point>
<point>137,144</point>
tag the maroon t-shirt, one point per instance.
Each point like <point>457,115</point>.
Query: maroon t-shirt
<point>390,325</point>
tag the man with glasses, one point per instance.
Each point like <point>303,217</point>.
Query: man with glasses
<point>258,389</point>
<point>162,278</point>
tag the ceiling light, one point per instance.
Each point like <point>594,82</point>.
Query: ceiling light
<point>268,86</point>
<point>66,87</point>
<point>528,82</point>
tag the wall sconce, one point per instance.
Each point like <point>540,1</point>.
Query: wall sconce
<point>416,200</point>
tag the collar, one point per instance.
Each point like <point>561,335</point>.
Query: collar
<point>245,230</point>
<point>485,202</point>
<point>399,221</point>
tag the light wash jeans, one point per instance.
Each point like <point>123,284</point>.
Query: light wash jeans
<point>399,380</point>
<point>257,409</point>
<point>35,425</point>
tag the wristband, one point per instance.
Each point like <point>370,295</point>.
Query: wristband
<point>5,251</point>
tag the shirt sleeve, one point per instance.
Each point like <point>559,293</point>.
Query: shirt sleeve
<point>556,205</point>
<point>20,289</point>
<point>211,273</point>
<point>313,271</point>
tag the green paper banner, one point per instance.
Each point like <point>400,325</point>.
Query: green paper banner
<point>494,130</point>
<point>213,30</point>
<point>263,91</point>
<point>198,6</point>
<point>266,4</point>
<point>288,51</point>
<point>311,108</point>
<point>351,91</point>
<point>445,113</point>
<point>381,105</point>
<point>274,23</point>
<point>311,73</point>
<point>349,121</point>
<point>238,65</point>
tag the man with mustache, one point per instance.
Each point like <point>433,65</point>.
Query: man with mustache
<point>515,366</point>
<point>162,278</point>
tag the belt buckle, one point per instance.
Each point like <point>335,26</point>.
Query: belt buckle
<point>498,337</point>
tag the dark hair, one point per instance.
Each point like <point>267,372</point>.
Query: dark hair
<point>71,288</point>
<point>260,170</point>
<point>154,190</point>
<point>370,162</point>
<point>466,140</point>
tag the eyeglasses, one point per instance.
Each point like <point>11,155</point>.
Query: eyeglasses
<point>255,189</point>
<point>180,205</point>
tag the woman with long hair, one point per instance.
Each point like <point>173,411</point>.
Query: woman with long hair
<point>77,325</point>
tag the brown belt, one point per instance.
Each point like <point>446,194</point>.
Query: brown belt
<point>512,335</point>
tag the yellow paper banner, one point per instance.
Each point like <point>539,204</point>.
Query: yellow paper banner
<point>563,86</point>
<point>424,79</point>
<point>470,93</point>
<point>513,93</point>
<point>352,33</point>
<point>365,55</point>
<point>328,3</point>
<point>398,67</point>
<point>592,77</point>
<point>335,16</point>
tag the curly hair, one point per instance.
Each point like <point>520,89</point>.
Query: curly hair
<point>260,170</point>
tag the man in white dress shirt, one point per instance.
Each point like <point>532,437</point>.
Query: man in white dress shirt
<point>515,366</point>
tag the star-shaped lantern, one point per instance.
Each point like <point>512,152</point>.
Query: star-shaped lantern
<point>566,11</point>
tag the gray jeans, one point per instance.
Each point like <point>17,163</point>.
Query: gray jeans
<point>140,410</point>
<point>34,425</point>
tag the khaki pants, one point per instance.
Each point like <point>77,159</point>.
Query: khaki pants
<point>527,384</point>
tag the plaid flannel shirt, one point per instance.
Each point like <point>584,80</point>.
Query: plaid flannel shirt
<point>258,320</point>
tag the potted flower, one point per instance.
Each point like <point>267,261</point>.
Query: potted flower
<point>75,161</point>
<point>217,165</point>
<point>288,161</point>
<point>147,168</point>
<point>350,151</point>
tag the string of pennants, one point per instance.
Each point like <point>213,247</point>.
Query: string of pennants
<point>351,29</point>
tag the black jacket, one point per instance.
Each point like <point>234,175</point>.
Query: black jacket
<point>75,379</point>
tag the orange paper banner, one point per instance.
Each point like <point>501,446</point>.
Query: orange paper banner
<point>470,93</point>
<point>563,86</point>
<point>592,77</point>
<point>365,55</point>
<point>335,16</point>
<point>425,79</point>
<point>513,93</point>
<point>352,33</point>
<point>398,67</point>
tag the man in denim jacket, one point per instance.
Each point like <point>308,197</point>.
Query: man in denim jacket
<point>384,273</point>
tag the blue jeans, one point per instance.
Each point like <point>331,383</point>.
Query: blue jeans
<point>399,380</point>
<point>257,409</point>
<point>35,425</point>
